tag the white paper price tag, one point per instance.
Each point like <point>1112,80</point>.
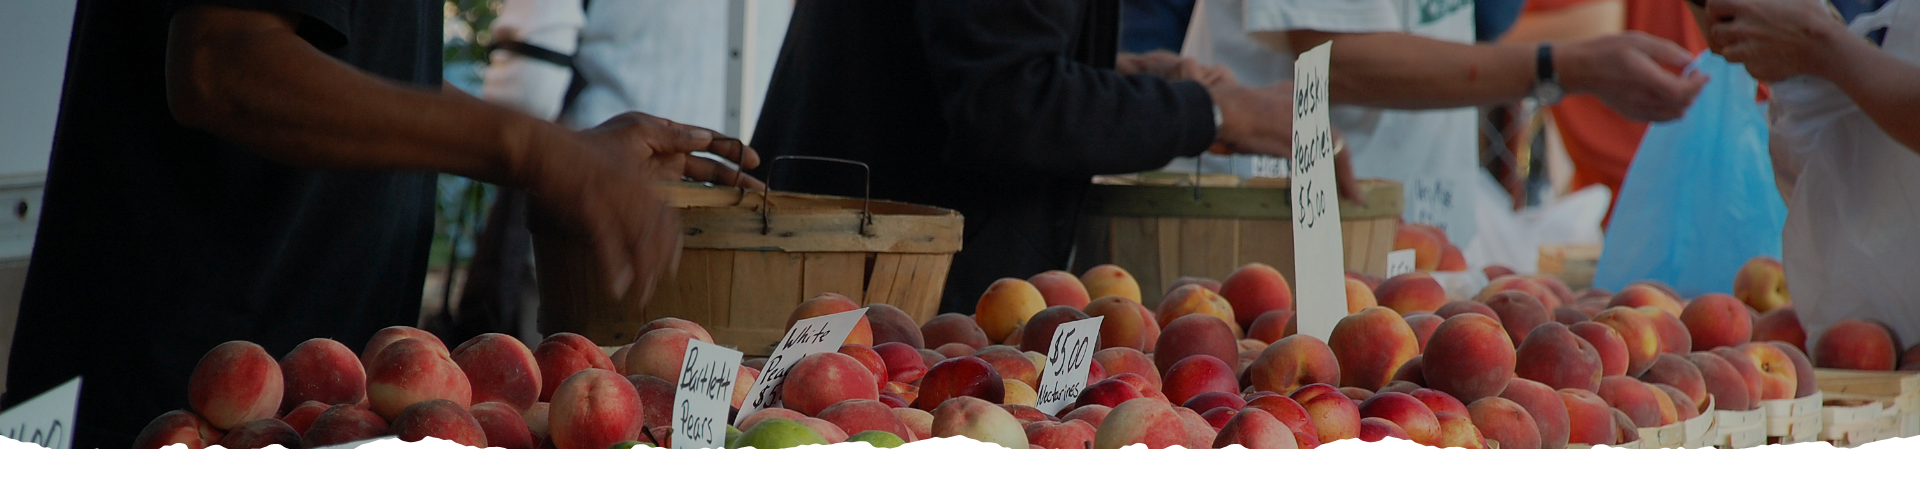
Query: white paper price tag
<point>46,419</point>
<point>1320,277</point>
<point>1068,360</point>
<point>705,392</point>
<point>807,337</point>
<point>1400,262</point>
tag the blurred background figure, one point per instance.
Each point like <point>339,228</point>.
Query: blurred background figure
<point>1149,25</point>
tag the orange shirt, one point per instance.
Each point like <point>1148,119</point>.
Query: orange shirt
<point>1600,142</point>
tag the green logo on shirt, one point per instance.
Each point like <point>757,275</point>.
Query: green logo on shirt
<point>1434,10</point>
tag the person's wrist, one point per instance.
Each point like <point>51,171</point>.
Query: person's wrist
<point>1832,50</point>
<point>1572,64</point>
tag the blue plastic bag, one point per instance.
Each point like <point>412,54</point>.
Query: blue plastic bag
<point>1699,200</point>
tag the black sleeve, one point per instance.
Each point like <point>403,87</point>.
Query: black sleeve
<point>1012,97</point>
<point>324,22</point>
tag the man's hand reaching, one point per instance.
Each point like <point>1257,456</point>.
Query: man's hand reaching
<point>600,183</point>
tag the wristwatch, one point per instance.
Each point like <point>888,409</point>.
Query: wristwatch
<point>1546,82</point>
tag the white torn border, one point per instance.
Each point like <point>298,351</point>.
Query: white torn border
<point>954,457</point>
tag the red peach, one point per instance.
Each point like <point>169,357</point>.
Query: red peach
<point>821,380</point>
<point>1547,408</point>
<point>1073,434</point>
<point>235,383</point>
<point>1292,362</point>
<point>1803,367</point>
<point>1714,320</point>
<point>1334,416</point>
<point>1060,288</point>
<point>1197,375</point>
<point>1438,401</point>
<point>1673,334</point>
<point>1255,289</point>
<point>409,371</point>
<point>343,423</point>
<point>978,420</point>
<point>1726,384</point>
<point>699,332</point>
<point>302,416</point>
<point>1644,294</point>
<point>1193,299</point>
<point>1530,286</point>
<point>1373,429</point>
<point>956,377</point>
<point>1117,361</point>
<point>1762,284</point>
<point>1371,345</point>
<point>1750,374</point>
<point>1209,400</point>
<point>260,433</point>
<point>503,425</point>
<point>1144,421</point>
<point>1676,371</point>
<point>1633,397</point>
<point>903,363</point>
<point>854,416</point>
<point>1272,326</point>
<point>891,325</point>
<point>1403,410</point>
<point>1638,332</point>
<point>1608,343</point>
<point>1554,356</point>
<point>1457,430</point>
<point>537,425</point>
<point>769,413</point>
<point>1505,421</point>
<point>594,409</point>
<point>1425,243</point>
<point>656,399</point>
<point>1411,292</point>
<point>1570,316</point>
<point>500,368</point>
<point>871,359</point>
<point>179,426</point>
<point>1471,357</point>
<point>1423,325</point>
<point>562,354</point>
<point>1779,379</point>
<point>1011,364</point>
<point>323,370</point>
<point>1026,414</point>
<point>1037,334</point>
<point>1781,325</point>
<point>954,328</point>
<point>1589,418</point>
<point>919,422</point>
<point>1092,414</point>
<point>1518,313</point>
<point>1195,334</point>
<point>660,353</point>
<point>1255,429</point>
<point>825,304</point>
<point>390,334</point>
<point>439,418</point>
<point>1848,344</point>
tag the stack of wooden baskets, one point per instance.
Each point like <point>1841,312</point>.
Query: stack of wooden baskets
<point>1867,406</point>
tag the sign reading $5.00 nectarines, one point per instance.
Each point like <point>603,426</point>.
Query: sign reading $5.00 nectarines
<point>1318,274</point>
<point>705,392</point>
<point>1067,364</point>
<point>807,337</point>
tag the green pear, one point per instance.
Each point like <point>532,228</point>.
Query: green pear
<point>733,433</point>
<point>878,438</point>
<point>779,433</point>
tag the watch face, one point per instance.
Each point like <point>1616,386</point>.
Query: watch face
<point>1549,93</point>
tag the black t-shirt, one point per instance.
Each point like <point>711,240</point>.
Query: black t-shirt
<point>1000,109</point>
<point>159,242</point>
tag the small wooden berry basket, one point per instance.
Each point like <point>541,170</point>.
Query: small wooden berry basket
<point>1698,432</point>
<point>1895,394</point>
<point>748,258</point>
<point>1794,421</point>
<point>1739,429</point>
<point>1162,226</point>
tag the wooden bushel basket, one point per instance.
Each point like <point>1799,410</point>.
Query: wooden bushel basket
<point>743,267</point>
<point>1160,231</point>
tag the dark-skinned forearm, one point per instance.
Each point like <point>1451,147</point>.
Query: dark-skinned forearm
<point>247,77</point>
<point>1880,83</point>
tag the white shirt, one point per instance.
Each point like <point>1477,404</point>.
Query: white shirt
<point>1434,153</point>
<point>666,58</point>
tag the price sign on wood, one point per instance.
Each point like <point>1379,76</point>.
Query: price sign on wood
<point>807,337</point>
<point>705,392</point>
<point>1068,359</point>
<point>1318,271</point>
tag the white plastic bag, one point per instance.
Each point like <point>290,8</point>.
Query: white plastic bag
<point>1513,239</point>
<point>1854,214</point>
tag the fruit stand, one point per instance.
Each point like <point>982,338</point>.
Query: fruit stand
<point>1525,363</point>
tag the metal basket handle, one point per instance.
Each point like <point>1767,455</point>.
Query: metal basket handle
<point>866,200</point>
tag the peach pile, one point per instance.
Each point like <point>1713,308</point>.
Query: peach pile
<point>1524,363</point>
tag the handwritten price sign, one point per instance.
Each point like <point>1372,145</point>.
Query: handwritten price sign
<point>1400,262</point>
<point>46,420</point>
<point>1318,272</point>
<point>1067,364</point>
<point>705,392</point>
<point>807,337</point>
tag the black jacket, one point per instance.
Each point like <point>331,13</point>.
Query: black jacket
<point>1000,109</point>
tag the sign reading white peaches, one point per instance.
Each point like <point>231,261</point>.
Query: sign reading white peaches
<point>807,337</point>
